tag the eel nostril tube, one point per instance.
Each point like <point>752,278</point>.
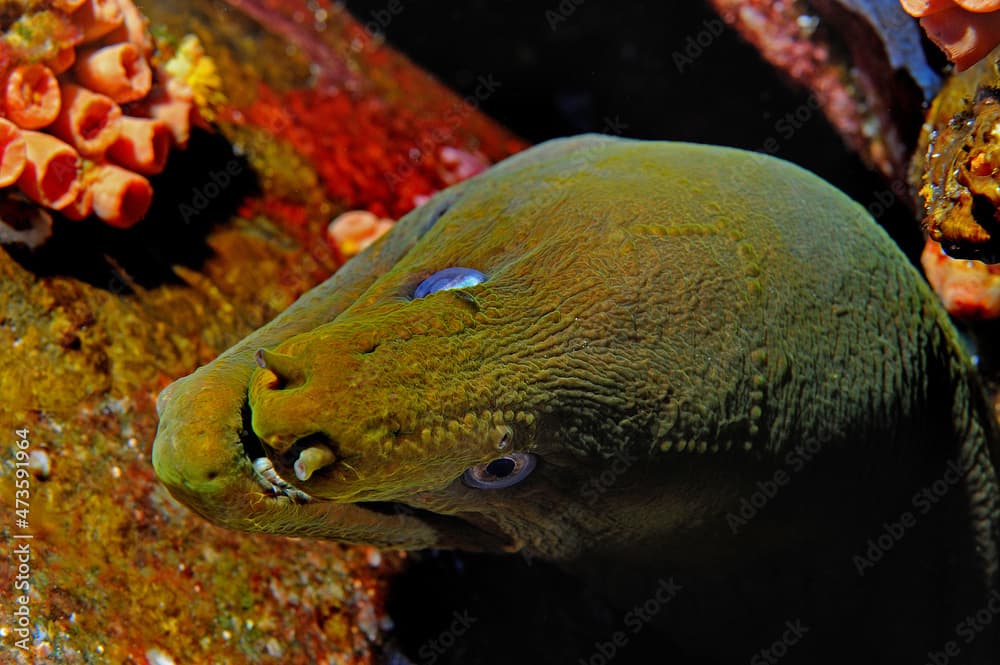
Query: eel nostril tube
<point>312,459</point>
<point>285,367</point>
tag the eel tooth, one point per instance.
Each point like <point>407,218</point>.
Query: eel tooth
<point>269,479</point>
<point>311,460</point>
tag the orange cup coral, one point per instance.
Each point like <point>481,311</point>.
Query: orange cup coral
<point>31,96</point>
<point>119,71</point>
<point>354,230</point>
<point>120,196</point>
<point>65,140</point>
<point>90,122</point>
<point>968,289</point>
<point>51,174</point>
<point>966,30</point>
<point>13,153</point>
<point>142,145</point>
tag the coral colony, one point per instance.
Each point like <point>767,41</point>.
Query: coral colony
<point>966,30</point>
<point>86,113</point>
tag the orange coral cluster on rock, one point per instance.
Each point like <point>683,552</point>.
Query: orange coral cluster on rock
<point>969,289</point>
<point>84,116</point>
<point>966,30</point>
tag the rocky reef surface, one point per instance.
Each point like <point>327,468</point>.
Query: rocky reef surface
<point>303,115</point>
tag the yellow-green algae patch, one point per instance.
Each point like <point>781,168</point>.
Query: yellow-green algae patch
<point>117,566</point>
<point>119,572</point>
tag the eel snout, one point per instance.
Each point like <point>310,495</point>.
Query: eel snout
<point>280,402</point>
<point>186,457</point>
<point>306,455</point>
<point>207,456</point>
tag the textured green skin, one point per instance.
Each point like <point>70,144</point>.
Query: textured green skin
<point>692,312</point>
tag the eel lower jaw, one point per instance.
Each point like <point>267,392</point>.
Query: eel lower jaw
<point>470,531</point>
<point>204,455</point>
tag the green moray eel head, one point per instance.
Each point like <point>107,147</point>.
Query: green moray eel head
<point>345,418</point>
<point>613,375</point>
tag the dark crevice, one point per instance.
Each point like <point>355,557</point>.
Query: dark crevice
<point>984,212</point>
<point>172,233</point>
<point>538,612</point>
<point>387,507</point>
<point>252,445</point>
<point>988,93</point>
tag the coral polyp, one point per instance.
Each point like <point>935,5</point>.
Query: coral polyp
<point>87,114</point>
<point>354,230</point>
<point>969,289</point>
<point>966,30</point>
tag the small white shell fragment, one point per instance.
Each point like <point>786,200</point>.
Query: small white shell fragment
<point>311,460</point>
<point>273,648</point>
<point>157,657</point>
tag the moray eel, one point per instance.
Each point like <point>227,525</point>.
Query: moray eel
<point>671,356</point>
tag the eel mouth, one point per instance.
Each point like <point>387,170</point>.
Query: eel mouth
<point>263,469</point>
<point>271,467</point>
<point>469,531</point>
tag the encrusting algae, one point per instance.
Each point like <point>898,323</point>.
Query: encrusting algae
<point>120,572</point>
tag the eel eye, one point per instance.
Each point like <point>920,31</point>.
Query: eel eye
<point>449,278</point>
<point>501,472</point>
